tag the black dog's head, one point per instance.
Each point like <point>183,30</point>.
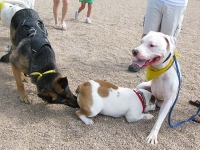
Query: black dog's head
<point>58,92</point>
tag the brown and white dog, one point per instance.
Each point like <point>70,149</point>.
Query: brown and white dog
<point>97,96</point>
<point>156,52</point>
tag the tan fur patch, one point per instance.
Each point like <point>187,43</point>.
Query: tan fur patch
<point>57,87</point>
<point>104,88</point>
<point>85,98</point>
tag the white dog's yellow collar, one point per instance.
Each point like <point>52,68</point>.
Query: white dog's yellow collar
<point>152,73</point>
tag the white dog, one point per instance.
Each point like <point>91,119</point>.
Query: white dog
<point>108,99</point>
<point>9,7</point>
<point>156,51</point>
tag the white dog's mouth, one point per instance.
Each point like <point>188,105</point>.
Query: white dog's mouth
<point>145,63</point>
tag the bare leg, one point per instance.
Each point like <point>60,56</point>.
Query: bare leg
<point>89,10</point>
<point>64,13</point>
<point>55,11</point>
<point>82,7</point>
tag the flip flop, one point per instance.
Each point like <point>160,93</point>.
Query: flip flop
<point>197,119</point>
<point>56,27</point>
<point>63,26</point>
<point>195,103</point>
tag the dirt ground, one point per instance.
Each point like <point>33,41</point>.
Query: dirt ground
<point>101,50</point>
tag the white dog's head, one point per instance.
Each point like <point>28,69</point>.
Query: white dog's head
<point>154,49</point>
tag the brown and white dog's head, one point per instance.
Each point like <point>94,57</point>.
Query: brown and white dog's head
<point>149,99</point>
<point>154,49</point>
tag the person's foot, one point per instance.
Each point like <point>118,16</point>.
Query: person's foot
<point>197,119</point>
<point>56,26</point>
<point>133,68</point>
<point>88,20</point>
<point>76,14</point>
<point>63,26</point>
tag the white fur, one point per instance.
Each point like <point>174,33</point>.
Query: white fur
<point>11,7</point>
<point>165,86</point>
<point>120,102</point>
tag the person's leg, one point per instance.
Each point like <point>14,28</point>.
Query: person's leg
<point>79,10</point>
<point>89,13</point>
<point>89,10</point>
<point>64,13</point>
<point>55,11</point>
<point>152,21</point>
<point>82,7</point>
<point>172,19</point>
<point>153,17</point>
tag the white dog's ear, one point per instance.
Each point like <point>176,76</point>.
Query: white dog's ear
<point>171,42</point>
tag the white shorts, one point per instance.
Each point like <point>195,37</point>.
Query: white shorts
<point>162,17</point>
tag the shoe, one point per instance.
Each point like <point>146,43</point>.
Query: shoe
<point>76,14</point>
<point>88,21</point>
<point>133,68</point>
<point>195,103</point>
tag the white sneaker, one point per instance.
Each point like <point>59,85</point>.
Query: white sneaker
<point>76,14</point>
<point>88,20</point>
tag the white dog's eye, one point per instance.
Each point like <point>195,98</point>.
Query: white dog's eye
<point>151,45</point>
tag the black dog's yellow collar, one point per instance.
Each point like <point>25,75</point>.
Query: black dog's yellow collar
<point>41,74</point>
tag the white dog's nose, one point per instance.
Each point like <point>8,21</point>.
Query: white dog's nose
<point>135,52</point>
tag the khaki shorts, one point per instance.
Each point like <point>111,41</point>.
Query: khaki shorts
<point>162,17</point>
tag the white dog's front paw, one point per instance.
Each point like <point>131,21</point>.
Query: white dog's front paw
<point>148,116</point>
<point>152,138</point>
<point>86,120</point>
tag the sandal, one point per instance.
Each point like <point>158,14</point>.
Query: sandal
<point>56,27</point>
<point>195,103</point>
<point>197,119</point>
<point>63,26</point>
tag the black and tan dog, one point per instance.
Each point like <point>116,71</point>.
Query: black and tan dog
<point>32,54</point>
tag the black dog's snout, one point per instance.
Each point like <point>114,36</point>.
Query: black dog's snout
<point>135,52</point>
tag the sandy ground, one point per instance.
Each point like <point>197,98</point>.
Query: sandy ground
<point>101,50</point>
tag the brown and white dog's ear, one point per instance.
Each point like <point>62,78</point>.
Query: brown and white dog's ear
<point>78,90</point>
<point>153,99</point>
<point>171,42</point>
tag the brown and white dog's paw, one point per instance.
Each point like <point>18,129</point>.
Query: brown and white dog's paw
<point>86,120</point>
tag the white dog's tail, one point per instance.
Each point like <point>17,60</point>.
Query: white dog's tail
<point>22,3</point>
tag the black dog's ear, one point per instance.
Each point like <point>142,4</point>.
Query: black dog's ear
<point>63,82</point>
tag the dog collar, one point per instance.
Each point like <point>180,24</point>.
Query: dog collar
<point>1,5</point>
<point>142,99</point>
<point>152,73</point>
<point>41,74</point>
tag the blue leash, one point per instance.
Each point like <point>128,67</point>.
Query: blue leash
<point>170,113</point>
